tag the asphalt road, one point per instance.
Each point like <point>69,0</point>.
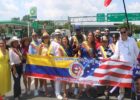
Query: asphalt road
<point>43,97</point>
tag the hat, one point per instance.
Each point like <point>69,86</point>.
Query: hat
<point>104,38</point>
<point>45,34</point>
<point>34,33</point>
<point>77,28</point>
<point>57,32</point>
<point>14,38</point>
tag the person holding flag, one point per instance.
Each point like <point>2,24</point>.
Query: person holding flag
<point>126,50</point>
<point>57,50</point>
<point>33,49</point>
<point>43,51</point>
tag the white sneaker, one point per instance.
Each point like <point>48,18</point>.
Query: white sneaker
<point>59,97</point>
<point>121,97</point>
<point>36,93</point>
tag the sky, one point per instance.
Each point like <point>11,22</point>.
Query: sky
<point>61,9</point>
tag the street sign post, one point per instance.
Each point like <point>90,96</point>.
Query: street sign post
<point>100,17</point>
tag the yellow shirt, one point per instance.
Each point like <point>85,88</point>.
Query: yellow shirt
<point>44,49</point>
<point>138,43</point>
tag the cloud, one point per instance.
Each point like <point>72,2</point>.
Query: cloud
<point>135,7</point>
<point>61,9</point>
<point>8,9</point>
<point>57,9</point>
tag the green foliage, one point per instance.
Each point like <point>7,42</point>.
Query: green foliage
<point>67,26</point>
<point>15,19</point>
<point>133,28</point>
<point>26,18</point>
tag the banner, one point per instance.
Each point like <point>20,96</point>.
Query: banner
<point>82,71</point>
<point>136,79</point>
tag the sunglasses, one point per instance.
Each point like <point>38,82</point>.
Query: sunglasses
<point>46,37</point>
<point>123,32</point>
<point>34,36</point>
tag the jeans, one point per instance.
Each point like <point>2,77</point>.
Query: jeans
<point>17,85</point>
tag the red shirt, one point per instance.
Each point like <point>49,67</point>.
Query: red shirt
<point>25,50</point>
<point>98,44</point>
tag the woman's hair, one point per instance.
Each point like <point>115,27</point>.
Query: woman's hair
<point>2,40</point>
<point>67,39</point>
<point>116,36</point>
<point>93,42</point>
<point>49,42</point>
<point>23,41</point>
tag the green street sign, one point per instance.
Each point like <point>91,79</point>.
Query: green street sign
<point>35,25</point>
<point>120,17</point>
<point>100,17</point>
<point>33,13</point>
<point>133,16</point>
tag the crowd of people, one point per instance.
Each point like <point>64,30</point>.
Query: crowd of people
<point>94,45</point>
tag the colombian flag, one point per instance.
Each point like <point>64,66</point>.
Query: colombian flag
<point>80,70</point>
<point>47,67</point>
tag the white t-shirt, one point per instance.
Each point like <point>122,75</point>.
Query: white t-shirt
<point>14,57</point>
<point>55,48</point>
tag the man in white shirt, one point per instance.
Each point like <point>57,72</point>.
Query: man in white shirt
<point>126,50</point>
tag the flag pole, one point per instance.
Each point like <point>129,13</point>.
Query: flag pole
<point>126,15</point>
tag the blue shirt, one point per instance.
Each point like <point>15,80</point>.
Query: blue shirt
<point>69,51</point>
<point>85,54</point>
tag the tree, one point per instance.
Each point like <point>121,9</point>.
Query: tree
<point>15,19</point>
<point>133,28</point>
<point>26,18</point>
<point>67,26</point>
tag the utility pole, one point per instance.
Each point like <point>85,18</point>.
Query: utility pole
<point>126,14</point>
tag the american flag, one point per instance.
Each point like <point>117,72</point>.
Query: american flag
<point>108,72</point>
<point>114,73</point>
